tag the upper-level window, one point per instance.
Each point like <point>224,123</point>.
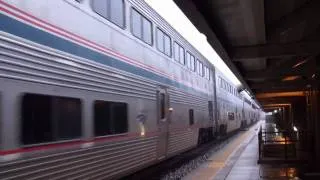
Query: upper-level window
<point>163,42</point>
<point>178,53</point>
<point>112,10</point>
<point>199,67</point>
<point>191,62</point>
<point>206,73</point>
<point>141,27</point>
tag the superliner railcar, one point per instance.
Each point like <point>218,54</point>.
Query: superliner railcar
<point>94,89</point>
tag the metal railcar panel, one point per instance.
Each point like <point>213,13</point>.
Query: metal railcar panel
<point>112,157</point>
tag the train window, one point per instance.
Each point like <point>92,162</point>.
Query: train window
<point>188,56</point>
<point>141,27</point>
<point>112,10</point>
<point>167,45</point>
<point>231,116</point>
<point>160,43</point>
<point>182,59</point>
<point>147,31</point>
<point>100,7</point>
<point>179,53</point>
<point>176,52</point>
<point>191,117</point>
<point>163,42</point>
<point>49,118</point>
<point>198,65</point>
<point>190,61</point>
<point>136,24</point>
<point>206,73</point>
<point>193,63</point>
<point>162,106</point>
<point>110,118</point>
<point>200,68</point>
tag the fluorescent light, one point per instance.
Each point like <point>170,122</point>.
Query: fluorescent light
<point>300,63</point>
<point>291,78</point>
<point>176,18</point>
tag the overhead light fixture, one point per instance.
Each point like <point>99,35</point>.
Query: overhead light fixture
<point>295,128</point>
<point>275,111</point>
<point>299,63</point>
<point>313,76</point>
<point>291,78</point>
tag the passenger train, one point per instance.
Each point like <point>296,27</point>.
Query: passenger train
<point>98,89</point>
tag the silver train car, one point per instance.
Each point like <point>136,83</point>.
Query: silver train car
<point>98,89</point>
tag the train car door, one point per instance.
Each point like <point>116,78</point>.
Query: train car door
<point>163,121</point>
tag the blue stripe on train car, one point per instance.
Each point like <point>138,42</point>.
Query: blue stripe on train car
<point>31,33</point>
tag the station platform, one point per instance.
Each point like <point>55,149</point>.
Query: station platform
<point>238,161</point>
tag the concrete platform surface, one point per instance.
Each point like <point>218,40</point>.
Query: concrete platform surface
<point>238,161</point>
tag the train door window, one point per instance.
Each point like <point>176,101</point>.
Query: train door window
<point>163,42</point>
<point>162,106</point>
<point>112,10</point>
<point>141,27</point>
<point>110,118</point>
<point>191,117</point>
<point>49,118</point>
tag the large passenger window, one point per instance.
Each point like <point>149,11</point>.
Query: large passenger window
<point>110,118</point>
<point>49,118</point>
<point>178,53</point>
<point>163,42</point>
<point>141,27</point>
<point>112,10</point>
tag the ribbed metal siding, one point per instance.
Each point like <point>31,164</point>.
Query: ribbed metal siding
<point>179,97</point>
<point>107,160</point>
<point>181,140</point>
<point>23,62</point>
